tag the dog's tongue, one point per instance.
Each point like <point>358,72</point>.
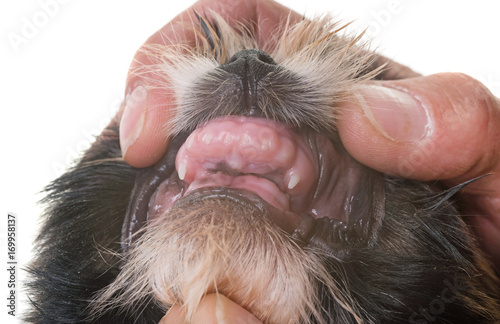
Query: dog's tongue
<point>258,155</point>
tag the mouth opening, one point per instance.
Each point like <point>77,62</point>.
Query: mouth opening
<point>308,185</point>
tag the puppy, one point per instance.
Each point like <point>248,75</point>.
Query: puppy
<point>256,199</point>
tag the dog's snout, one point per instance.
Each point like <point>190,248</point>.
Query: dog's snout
<point>250,67</point>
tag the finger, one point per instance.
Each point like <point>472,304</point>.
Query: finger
<point>147,111</point>
<point>445,127</point>
<point>213,309</point>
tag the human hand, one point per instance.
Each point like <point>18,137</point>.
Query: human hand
<point>213,309</point>
<point>441,127</point>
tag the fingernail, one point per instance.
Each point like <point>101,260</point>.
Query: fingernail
<point>396,114</point>
<point>133,117</point>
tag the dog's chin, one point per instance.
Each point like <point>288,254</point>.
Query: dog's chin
<point>221,244</point>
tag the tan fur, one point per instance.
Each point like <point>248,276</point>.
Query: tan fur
<point>218,245</point>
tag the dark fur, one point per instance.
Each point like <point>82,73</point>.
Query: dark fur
<point>423,268</point>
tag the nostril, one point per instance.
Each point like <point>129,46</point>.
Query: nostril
<point>232,59</point>
<point>264,57</point>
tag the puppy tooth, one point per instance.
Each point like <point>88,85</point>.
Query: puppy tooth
<point>294,180</point>
<point>182,170</point>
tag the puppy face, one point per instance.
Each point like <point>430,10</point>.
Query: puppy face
<point>255,199</point>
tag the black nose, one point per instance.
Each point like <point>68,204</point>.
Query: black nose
<point>250,62</point>
<point>250,66</point>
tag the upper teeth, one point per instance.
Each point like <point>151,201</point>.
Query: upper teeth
<point>294,180</point>
<point>181,170</point>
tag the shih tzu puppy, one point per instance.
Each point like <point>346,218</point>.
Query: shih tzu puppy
<point>256,199</point>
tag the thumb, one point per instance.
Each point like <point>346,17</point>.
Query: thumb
<point>444,126</point>
<point>440,127</point>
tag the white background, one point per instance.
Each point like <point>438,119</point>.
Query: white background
<point>63,83</point>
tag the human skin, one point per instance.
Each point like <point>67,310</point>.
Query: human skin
<point>443,127</point>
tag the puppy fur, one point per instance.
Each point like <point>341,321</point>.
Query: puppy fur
<point>423,266</point>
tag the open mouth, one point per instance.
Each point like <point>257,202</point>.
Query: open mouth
<point>242,153</point>
<point>310,186</point>
<point>252,154</point>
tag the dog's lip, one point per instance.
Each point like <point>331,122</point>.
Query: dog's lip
<point>146,184</point>
<point>286,220</point>
<point>263,187</point>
